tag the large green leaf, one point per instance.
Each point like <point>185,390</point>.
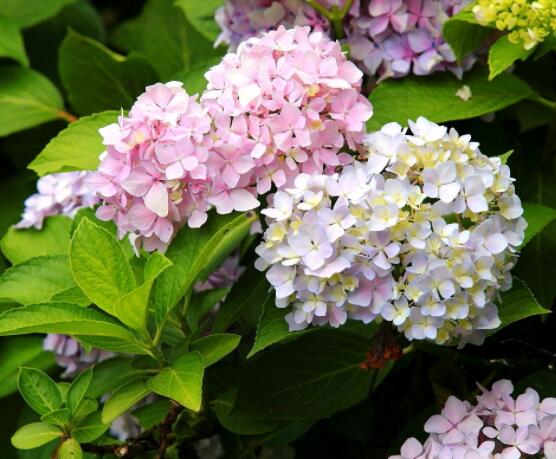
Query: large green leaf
<point>19,351</point>
<point>504,53</point>
<point>195,254</point>
<point>201,15</point>
<point>99,265</point>
<point>537,216</point>
<point>435,97</point>
<point>27,99</point>
<point>111,374</point>
<point>123,399</point>
<point>215,347</point>
<point>518,303</point>
<point>26,13</point>
<point>36,280</point>
<point>78,389</point>
<point>311,378</point>
<point>34,435</point>
<point>39,391</point>
<point>182,381</point>
<point>98,79</point>
<point>19,245</point>
<point>193,78</point>
<point>11,42</point>
<point>59,155</point>
<point>65,318</point>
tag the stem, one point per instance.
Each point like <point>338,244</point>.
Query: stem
<point>543,101</point>
<point>70,118</point>
<point>321,9</point>
<point>165,428</point>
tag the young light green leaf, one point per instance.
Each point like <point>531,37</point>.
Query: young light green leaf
<point>132,307</point>
<point>302,379</point>
<point>537,217</point>
<point>59,154</point>
<point>124,398</point>
<point>59,417</point>
<point>11,42</point>
<point>34,435</point>
<point>503,54</point>
<point>195,255</point>
<point>99,265</point>
<point>36,280</point>
<point>26,13</point>
<point>72,295</point>
<point>78,389</point>
<point>98,79</point>
<point>201,16</point>
<point>19,245</point>
<point>70,449</point>
<point>89,428</point>
<point>182,381</point>
<point>435,97</point>
<point>215,347</point>
<point>27,99</point>
<point>517,304</point>
<point>19,351</point>
<point>39,391</point>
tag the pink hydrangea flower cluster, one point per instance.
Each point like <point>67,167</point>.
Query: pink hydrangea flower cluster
<point>498,426</point>
<point>392,38</point>
<point>286,101</point>
<point>243,19</point>
<point>58,194</point>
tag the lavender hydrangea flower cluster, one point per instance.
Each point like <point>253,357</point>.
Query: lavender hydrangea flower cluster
<point>498,426</point>
<point>423,234</point>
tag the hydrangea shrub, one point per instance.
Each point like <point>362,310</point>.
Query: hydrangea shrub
<point>278,228</point>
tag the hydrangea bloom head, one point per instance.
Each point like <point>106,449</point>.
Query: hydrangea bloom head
<point>285,102</point>
<point>498,426</point>
<point>528,22</point>
<point>243,19</point>
<point>392,38</point>
<point>58,194</point>
<point>423,234</point>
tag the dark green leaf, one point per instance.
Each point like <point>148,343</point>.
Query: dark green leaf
<point>123,399</point>
<point>38,390</point>
<point>152,414</point>
<point>111,374</point>
<point>517,304</point>
<point>201,16</point>
<point>537,217</point>
<point>215,347</point>
<point>464,36</point>
<point>11,42</point>
<point>89,428</point>
<point>26,13</point>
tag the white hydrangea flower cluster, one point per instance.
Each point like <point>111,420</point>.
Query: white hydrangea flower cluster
<point>423,234</point>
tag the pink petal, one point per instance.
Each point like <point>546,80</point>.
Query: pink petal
<point>157,199</point>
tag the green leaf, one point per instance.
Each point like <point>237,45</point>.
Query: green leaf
<point>215,347</point>
<point>98,79</point>
<point>152,414</point>
<point>111,374</point>
<point>19,245</point>
<point>70,449</point>
<point>68,319</point>
<point>21,351</point>
<point>99,266</point>
<point>39,391</point>
<point>201,15</point>
<point>88,406</point>
<point>311,378</point>
<point>36,280</point>
<point>238,424</point>
<point>537,217</point>
<point>503,54</point>
<point>463,35</point>
<point>72,295</point>
<point>11,42</point>
<point>124,398</point>
<point>518,303</point>
<point>272,327</point>
<point>89,428</point>
<point>200,304</point>
<point>27,99</point>
<point>182,381</point>
<point>78,389</point>
<point>193,78</point>
<point>26,13</point>
<point>59,155</point>
<point>195,254</point>
<point>435,97</point>
<point>59,417</point>
<point>251,289</point>
<point>34,435</point>
<point>132,307</point>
